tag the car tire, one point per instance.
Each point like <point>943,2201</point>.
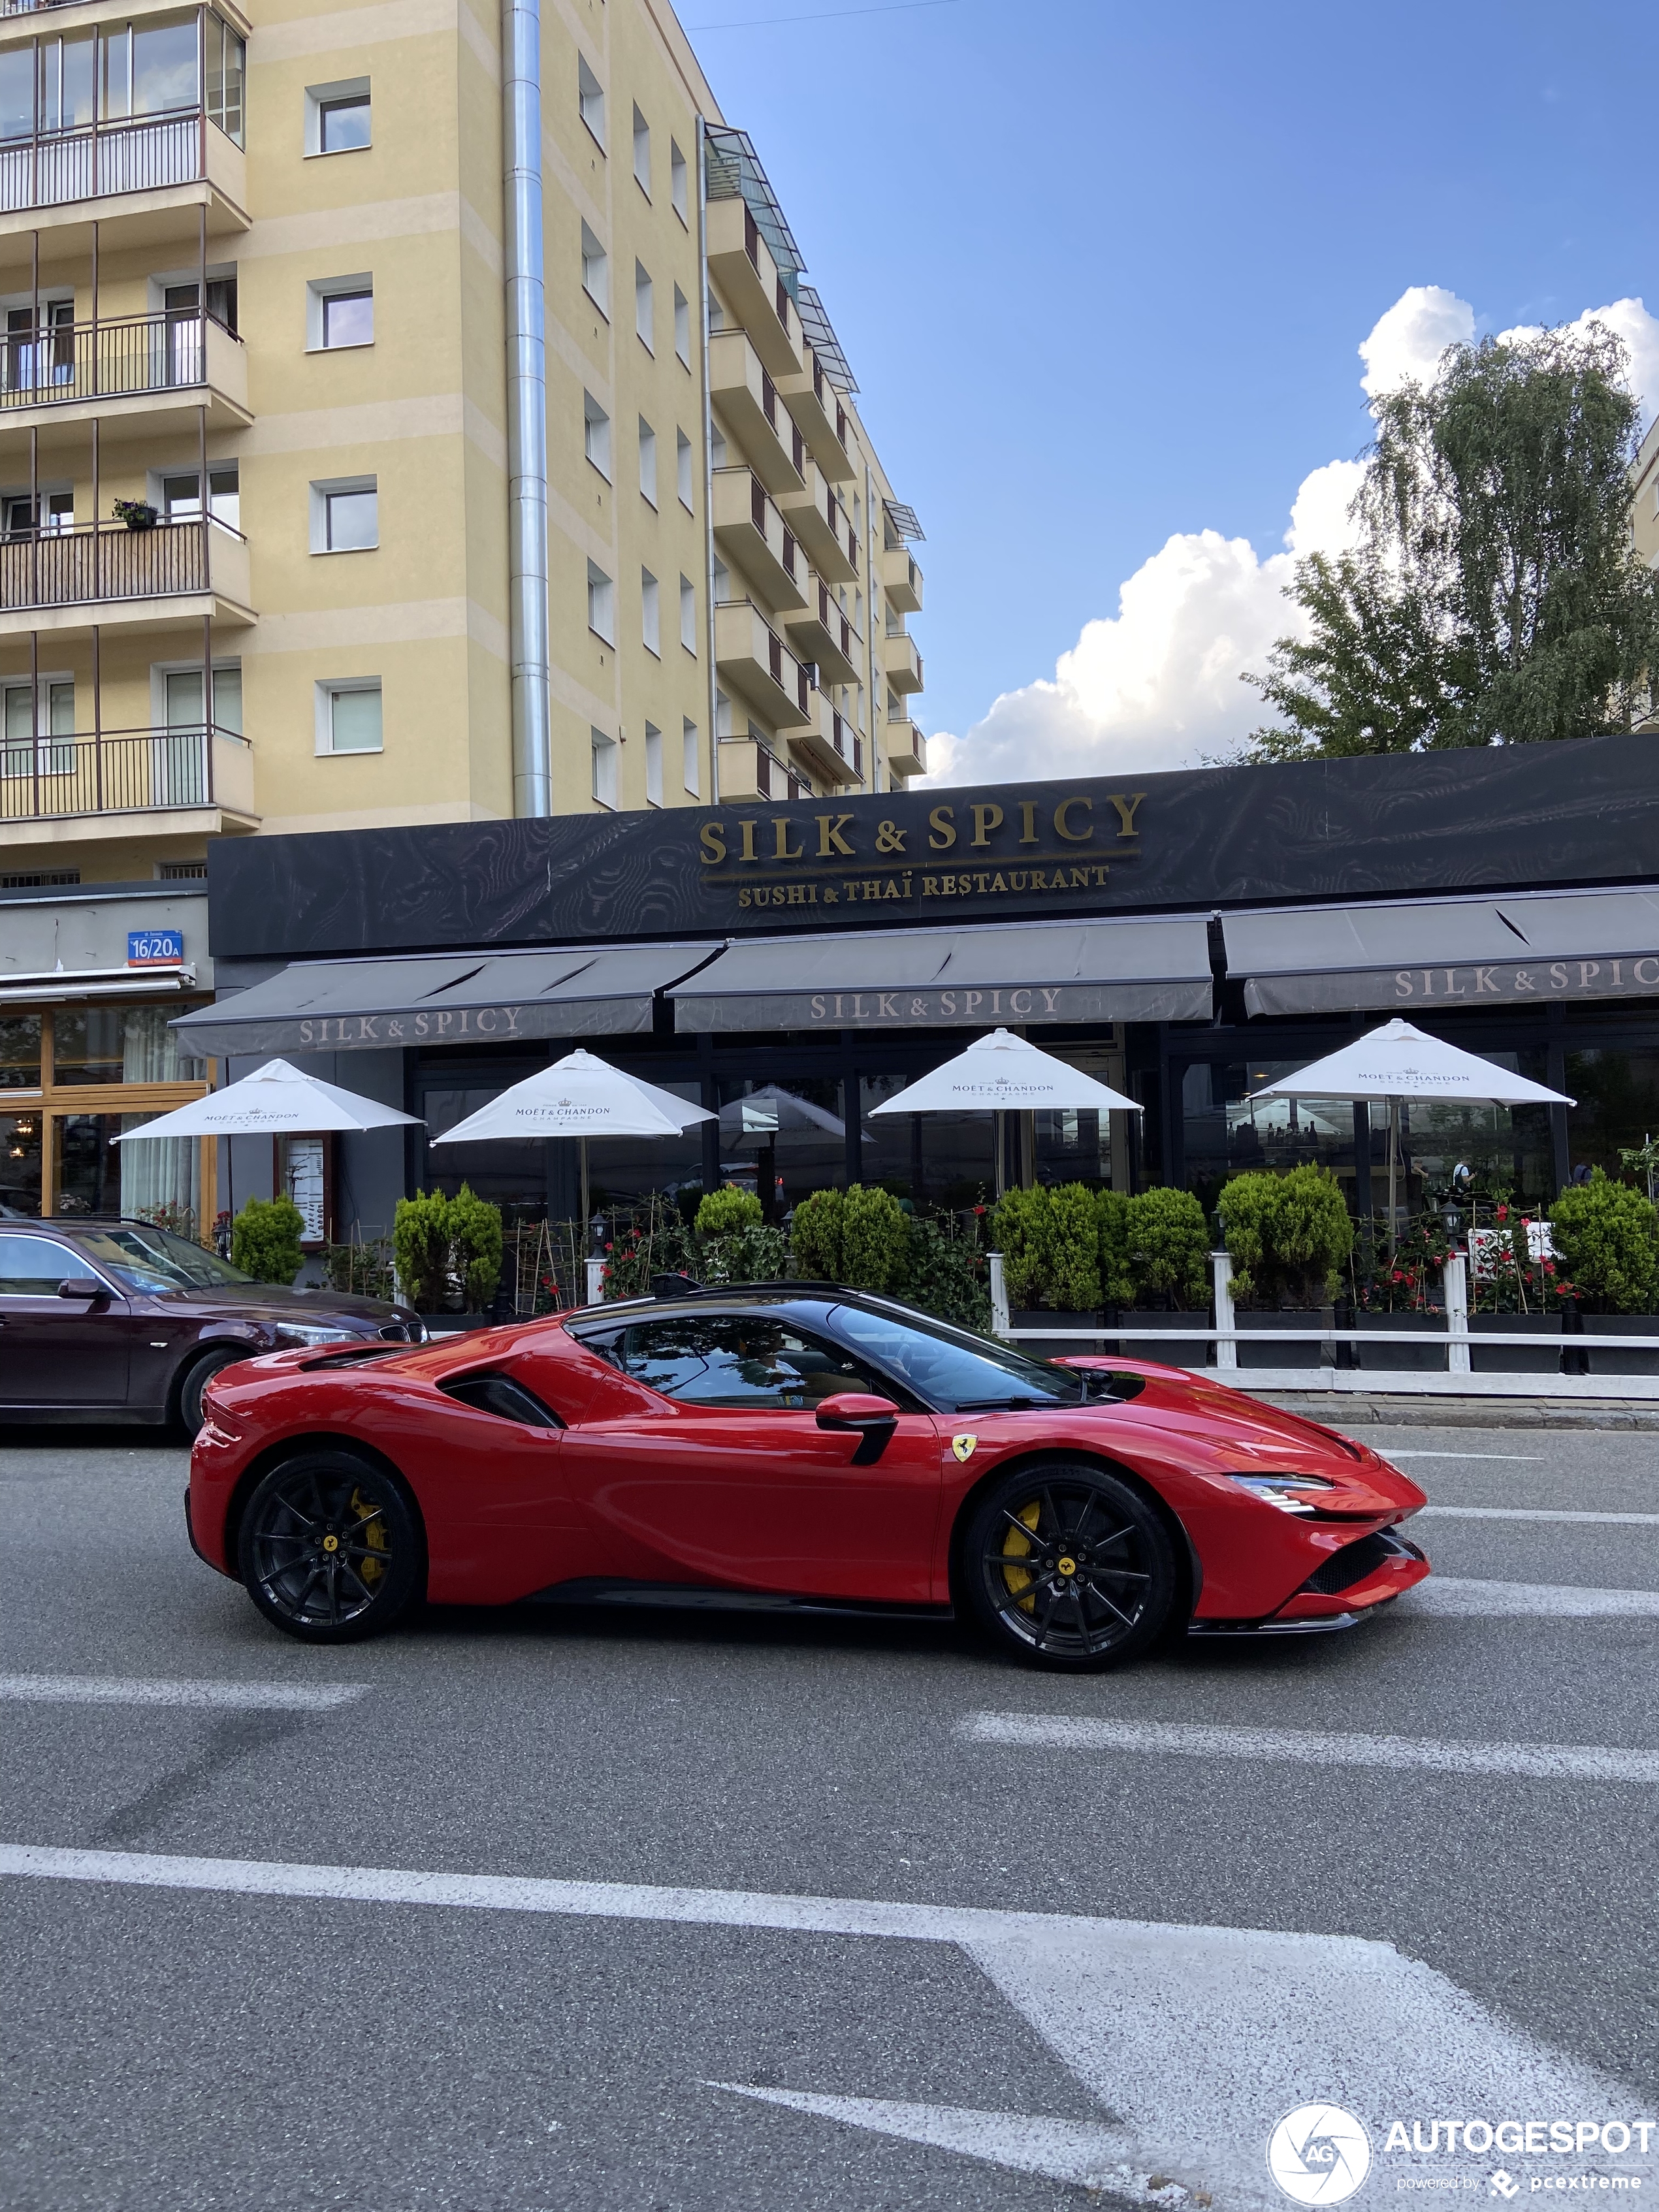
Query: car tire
<point>1066,1566</point>
<point>195,1379</point>
<point>330,1548</point>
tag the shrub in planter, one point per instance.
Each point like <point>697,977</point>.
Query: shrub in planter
<point>474,1248</point>
<point>1049,1240</point>
<point>756,1253</point>
<point>1287,1236</point>
<point>728,1208</point>
<point>420,1240</point>
<point>1169,1244</point>
<point>815,1234</point>
<point>448,1250</point>
<point>875,1235</point>
<point>264,1240</point>
<point>947,1274</point>
<point>1607,1236</point>
<point>1115,1216</point>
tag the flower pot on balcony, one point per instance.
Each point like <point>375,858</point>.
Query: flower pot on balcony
<point>1181,1351</point>
<point>1604,1360</point>
<point>1305,1354</point>
<point>1515,1358</point>
<point>137,514</point>
<point>1402,1359</point>
<point>1058,1347</point>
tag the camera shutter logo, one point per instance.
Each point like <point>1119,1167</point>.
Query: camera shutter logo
<point>1319,2154</point>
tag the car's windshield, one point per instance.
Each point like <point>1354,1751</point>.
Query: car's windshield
<point>155,1260</point>
<point>951,1369</point>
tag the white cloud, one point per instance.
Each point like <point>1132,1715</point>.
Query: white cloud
<point>1156,685</point>
<point>1630,320</point>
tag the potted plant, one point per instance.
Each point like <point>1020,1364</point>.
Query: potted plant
<point>1287,1237</point>
<point>735,1244</point>
<point>449,1256</point>
<point>1402,1295</point>
<point>137,514</point>
<point>1607,1238</point>
<point>264,1240</point>
<point>1163,1242</point>
<point>1049,1239</point>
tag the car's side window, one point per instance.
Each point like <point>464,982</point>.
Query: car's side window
<point>34,1267</point>
<point>736,1360</point>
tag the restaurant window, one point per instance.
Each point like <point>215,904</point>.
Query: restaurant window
<point>1618,1107</point>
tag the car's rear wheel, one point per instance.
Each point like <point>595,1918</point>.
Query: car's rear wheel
<point>329,1548</point>
<point>196,1379</point>
<point>1068,1567</point>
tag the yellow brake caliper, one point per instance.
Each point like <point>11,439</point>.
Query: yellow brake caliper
<point>373,1535</point>
<point>1022,1586</point>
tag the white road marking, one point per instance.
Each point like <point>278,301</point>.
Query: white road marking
<point>1534,1513</point>
<point>1462,1600</point>
<point>1517,1459</point>
<point>1582,1762</point>
<point>242,1697</point>
<point>1203,2037</point>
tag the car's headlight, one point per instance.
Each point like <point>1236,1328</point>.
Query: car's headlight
<point>296,1332</point>
<point>1289,1493</point>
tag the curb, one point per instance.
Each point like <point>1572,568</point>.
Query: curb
<point>1448,1412</point>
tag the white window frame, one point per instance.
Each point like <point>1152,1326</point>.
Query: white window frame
<point>590,101</point>
<point>684,463</point>
<point>318,290</point>
<point>645,307</point>
<point>605,750</point>
<point>652,765</point>
<point>692,757</point>
<point>642,152</point>
<point>678,193</point>
<point>648,462</point>
<point>596,434</point>
<point>596,272</point>
<point>327,488</point>
<point>651,613</point>
<point>682,328</point>
<point>688,615</point>
<point>327,689</point>
<point>601,604</point>
<point>318,96</point>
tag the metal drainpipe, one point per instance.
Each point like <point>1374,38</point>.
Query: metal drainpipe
<point>708,466</point>
<point>527,408</point>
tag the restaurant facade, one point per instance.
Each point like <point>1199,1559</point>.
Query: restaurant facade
<point>1185,936</point>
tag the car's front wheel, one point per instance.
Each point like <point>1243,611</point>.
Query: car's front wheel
<point>330,1548</point>
<point>196,1379</point>
<point>1068,1566</point>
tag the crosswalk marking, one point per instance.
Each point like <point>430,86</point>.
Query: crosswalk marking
<point>123,1690</point>
<point>1534,1513</point>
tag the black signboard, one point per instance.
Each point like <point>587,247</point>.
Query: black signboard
<point>1504,818</point>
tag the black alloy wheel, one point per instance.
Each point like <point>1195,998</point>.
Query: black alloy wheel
<point>330,1548</point>
<point>1069,1566</point>
<point>196,1380</point>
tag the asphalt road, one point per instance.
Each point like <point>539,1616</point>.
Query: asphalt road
<point>175,2036</point>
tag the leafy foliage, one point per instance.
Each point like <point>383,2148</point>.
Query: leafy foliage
<point>474,1248</point>
<point>448,1250</point>
<point>754,1253</point>
<point>1169,1246</point>
<point>363,1269</point>
<point>264,1240</point>
<point>1607,1236</point>
<point>1287,1235</point>
<point>728,1208</point>
<point>947,1274</point>
<point>817,1233</point>
<point>1495,596</point>
<point>1114,1217</point>
<point>1049,1240</point>
<point>875,1239</point>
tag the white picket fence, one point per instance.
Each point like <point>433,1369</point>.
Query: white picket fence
<point>1455,1340</point>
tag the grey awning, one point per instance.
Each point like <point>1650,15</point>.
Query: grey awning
<point>1434,952</point>
<point>494,998</point>
<point>1148,970</point>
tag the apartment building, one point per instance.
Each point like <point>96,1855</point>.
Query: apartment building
<point>410,414</point>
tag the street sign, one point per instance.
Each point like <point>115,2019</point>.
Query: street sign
<point>155,948</point>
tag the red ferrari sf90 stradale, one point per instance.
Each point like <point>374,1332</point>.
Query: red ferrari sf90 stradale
<point>789,1446</point>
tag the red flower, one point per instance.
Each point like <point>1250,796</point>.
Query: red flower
<point>1503,1213</point>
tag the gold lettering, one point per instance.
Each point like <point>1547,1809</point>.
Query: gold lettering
<point>712,837</point>
<point>1073,836</point>
<point>781,839</point>
<point>1127,806</point>
<point>1028,835</point>
<point>986,819</point>
<point>830,840</point>
<point>749,852</point>
<point>942,828</point>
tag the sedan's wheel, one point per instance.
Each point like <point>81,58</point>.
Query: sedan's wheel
<point>196,1378</point>
<point>1069,1566</point>
<point>329,1548</point>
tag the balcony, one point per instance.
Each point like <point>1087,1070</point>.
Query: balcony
<point>819,521</point>
<point>64,788</point>
<point>907,748</point>
<point>740,387</point>
<point>57,579</point>
<point>817,406</point>
<point>153,174</point>
<point>902,662</point>
<point>150,374</point>
<point>752,770</point>
<point>901,579</point>
<point>754,660</point>
<point>820,632</point>
<point>741,264</point>
<point>751,533</point>
<point>829,748</point>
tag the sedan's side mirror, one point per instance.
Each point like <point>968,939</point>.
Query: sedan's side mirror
<point>871,1419</point>
<point>82,1286</point>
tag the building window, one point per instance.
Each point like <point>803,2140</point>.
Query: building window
<point>650,614</point>
<point>181,496</point>
<point>605,767</point>
<point>590,94</point>
<point>596,434</point>
<point>596,272</point>
<point>682,469</point>
<point>53,716</point>
<point>644,314</point>
<point>337,117</point>
<point>224,70</point>
<point>601,604</point>
<point>676,186</point>
<point>345,515</point>
<point>348,716</point>
<point>180,704</point>
<point>687,614</point>
<point>647,462</point>
<point>652,765</point>
<point>180,871</point>
<point>691,764</point>
<point>681,326</point>
<point>339,312</point>
<point>641,153</point>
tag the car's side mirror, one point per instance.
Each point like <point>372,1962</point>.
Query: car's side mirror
<point>82,1286</point>
<point>871,1419</point>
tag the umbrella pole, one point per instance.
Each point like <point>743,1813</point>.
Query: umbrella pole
<point>1002,1148</point>
<point>587,1232</point>
<point>1393,1169</point>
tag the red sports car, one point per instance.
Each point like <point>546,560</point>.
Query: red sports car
<point>790,1446</point>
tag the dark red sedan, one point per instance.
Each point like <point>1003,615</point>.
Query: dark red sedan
<point>788,1447</point>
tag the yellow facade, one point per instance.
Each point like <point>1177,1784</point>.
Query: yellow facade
<point>275,244</point>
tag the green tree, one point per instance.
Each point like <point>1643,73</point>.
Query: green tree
<point>264,1240</point>
<point>1494,596</point>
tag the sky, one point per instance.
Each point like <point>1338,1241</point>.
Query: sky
<point>1114,283</point>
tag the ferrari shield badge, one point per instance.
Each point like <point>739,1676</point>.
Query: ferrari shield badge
<point>963,1446</point>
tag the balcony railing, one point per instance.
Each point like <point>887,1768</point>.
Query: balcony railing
<point>98,560</point>
<point>119,771</point>
<point>124,156</point>
<point>106,361</point>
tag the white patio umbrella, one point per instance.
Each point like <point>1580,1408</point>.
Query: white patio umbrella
<point>276,1100</point>
<point>1001,1074</point>
<point>582,1096</point>
<point>760,1116</point>
<point>1400,1063</point>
